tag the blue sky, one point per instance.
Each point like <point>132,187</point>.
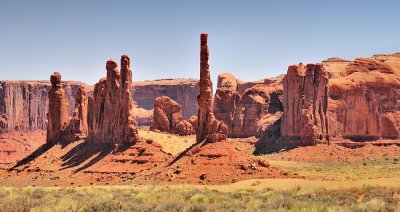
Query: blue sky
<point>251,39</point>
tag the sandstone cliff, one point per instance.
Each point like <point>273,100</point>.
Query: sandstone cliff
<point>24,104</point>
<point>248,108</point>
<point>305,106</point>
<point>183,91</point>
<point>365,98</point>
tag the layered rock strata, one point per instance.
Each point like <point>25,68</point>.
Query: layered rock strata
<point>24,104</point>
<point>305,105</point>
<point>209,128</point>
<point>365,99</point>
<point>110,111</point>
<point>182,91</point>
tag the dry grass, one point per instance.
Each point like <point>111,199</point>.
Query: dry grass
<point>157,198</point>
<point>367,169</point>
<point>171,143</point>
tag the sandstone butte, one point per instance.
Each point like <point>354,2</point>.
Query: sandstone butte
<point>110,110</point>
<point>305,105</point>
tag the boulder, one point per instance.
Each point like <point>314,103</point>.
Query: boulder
<point>184,128</point>
<point>167,114</point>
<point>193,120</point>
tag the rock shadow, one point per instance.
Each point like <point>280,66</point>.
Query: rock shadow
<point>271,145</point>
<point>200,144</point>
<point>38,152</point>
<point>84,152</point>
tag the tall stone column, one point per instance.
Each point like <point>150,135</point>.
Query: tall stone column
<point>208,126</point>
<point>58,113</point>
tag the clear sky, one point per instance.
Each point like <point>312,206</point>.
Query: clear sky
<point>251,39</point>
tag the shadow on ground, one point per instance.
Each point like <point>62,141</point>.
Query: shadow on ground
<point>271,145</point>
<point>84,152</point>
<point>42,149</point>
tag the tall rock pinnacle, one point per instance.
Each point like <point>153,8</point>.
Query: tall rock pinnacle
<point>208,126</point>
<point>58,115</point>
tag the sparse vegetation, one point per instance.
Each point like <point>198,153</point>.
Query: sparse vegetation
<point>158,198</point>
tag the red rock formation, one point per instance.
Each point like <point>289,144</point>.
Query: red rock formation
<point>226,98</point>
<point>305,106</point>
<point>184,128</point>
<point>250,112</point>
<point>167,114</point>
<point>208,126</point>
<point>58,115</point>
<point>110,116</point>
<point>193,120</point>
<point>365,99</point>
<point>183,91</point>
<point>24,104</point>
<point>258,109</point>
<point>78,122</point>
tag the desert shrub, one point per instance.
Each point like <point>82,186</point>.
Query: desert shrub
<point>195,207</point>
<point>173,206</point>
<point>160,198</point>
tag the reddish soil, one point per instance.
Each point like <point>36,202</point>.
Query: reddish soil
<point>83,163</point>
<point>217,163</point>
<point>336,153</point>
<point>17,145</point>
<point>86,163</point>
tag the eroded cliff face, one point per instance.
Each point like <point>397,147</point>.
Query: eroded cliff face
<point>305,106</point>
<point>110,110</point>
<point>78,123</point>
<point>24,104</point>
<point>365,99</point>
<point>258,109</point>
<point>248,108</point>
<point>183,91</point>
